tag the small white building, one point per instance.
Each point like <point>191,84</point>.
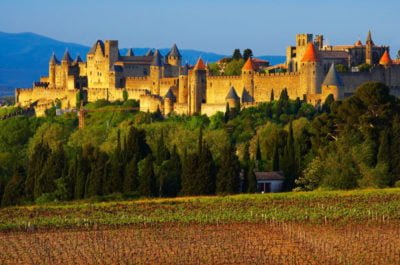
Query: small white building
<point>270,181</point>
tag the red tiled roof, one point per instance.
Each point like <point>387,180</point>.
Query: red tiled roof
<point>248,66</point>
<point>200,65</point>
<point>310,55</point>
<point>385,59</point>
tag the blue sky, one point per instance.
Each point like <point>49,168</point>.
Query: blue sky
<point>210,25</point>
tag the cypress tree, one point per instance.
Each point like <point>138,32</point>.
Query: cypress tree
<point>289,160</point>
<point>227,113</point>
<point>52,170</point>
<point>384,160</point>
<point>275,158</point>
<point>162,151</point>
<point>251,179</point>
<point>259,165</point>
<point>97,175</point>
<point>395,152</point>
<point>36,164</point>
<point>228,180</point>
<point>169,175</point>
<point>246,166</point>
<point>14,189</point>
<point>117,174</point>
<point>189,173</point>
<point>205,175</point>
<point>147,184</point>
<point>131,176</point>
<point>272,95</point>
<point>82,171</point>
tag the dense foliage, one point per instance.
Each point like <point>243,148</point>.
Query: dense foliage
<point>336,145</point>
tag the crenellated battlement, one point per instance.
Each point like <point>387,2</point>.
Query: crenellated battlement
<point>138,78</point>
<point>277,74</point>
<point>224,77</point>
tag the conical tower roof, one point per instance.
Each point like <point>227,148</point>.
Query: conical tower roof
<point>199,65</point>
<point>310,55</point>
<point>149,52</point>
<point>170,95</point>
<point>77,60</point>
<point>232,94</point>
<point>130,52</point>
<point>385,59</point>
<point>94,47</point>
<point>67,57</point>
<point>249,65</point>
<point>174,51</point>
<point>53,59</point>
<point>358,43</point>
<point>332,78</point>
<point>157,59</point>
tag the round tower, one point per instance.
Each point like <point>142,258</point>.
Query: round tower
<point>183,84</point>
<point>333,84</point>
<point>311,73</point>
<point>52,70</point>
<point>174,57</point>
<point>156,72</point>
<point>248,71</point>
<point>169,100</point>
<point>232,99</point>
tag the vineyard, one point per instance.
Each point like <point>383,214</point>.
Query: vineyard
<point>355,227</point>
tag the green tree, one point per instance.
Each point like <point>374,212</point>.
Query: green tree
<point>117,164</point>
<point>14,190</point>
<point>234,67</point>
<point>237,55</point>
<point>125,95</point>
<point>36,163</point>
<point>131,176</point>
<point>52,170</point>
<point>251,179</point>
<point>228,180</point>
<point>98,173</point>
<point>247,53</point>
<point>189,174</point>
<point>147,182</point>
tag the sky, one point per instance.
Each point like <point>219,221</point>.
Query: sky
<point>267,27</point>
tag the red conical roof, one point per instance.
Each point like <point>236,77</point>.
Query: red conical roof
<point>358,43</point>
<point>385,59</point>
<point>310,55</point>
<point>248,66</point>
<point>200,65</point>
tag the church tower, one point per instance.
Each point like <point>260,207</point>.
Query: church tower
<point>369,44</point>
<point>197,86</point>
<point>248,70</point>
<point>311,71</point>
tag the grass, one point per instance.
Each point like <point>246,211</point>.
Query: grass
<point>313,207</point>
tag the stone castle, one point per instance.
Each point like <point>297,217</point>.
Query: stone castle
<point>164,83</point>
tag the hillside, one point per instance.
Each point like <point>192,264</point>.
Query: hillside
<point>24,57</point>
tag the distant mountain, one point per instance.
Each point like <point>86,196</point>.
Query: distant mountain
<point>24,57</point>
